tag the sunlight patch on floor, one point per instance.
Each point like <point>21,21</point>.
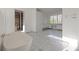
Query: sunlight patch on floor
<point>55,37</point>
<point>73,44</point>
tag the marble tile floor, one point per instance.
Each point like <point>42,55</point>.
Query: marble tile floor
<point>49,40</point>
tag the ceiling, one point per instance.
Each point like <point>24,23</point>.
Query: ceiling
<point>51,11</point>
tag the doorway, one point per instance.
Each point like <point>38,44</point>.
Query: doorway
<point>18,20</point>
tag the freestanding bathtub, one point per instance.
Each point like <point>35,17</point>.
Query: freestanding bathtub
<point>17,41</point>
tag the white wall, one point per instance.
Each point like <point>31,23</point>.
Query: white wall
<point>7,20</point>
<point>41,20</point>
<point>10,20</point>
<point>2,21</point>
<point>30,19</point>
<point>70,25</point>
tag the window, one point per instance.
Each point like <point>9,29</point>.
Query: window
<point>18,20</point>
<point>59,19</point>
<point>56,19</point>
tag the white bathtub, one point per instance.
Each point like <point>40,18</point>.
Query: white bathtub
<point>17,41</point>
